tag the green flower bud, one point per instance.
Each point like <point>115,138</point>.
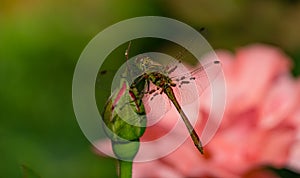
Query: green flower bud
<point>124,125</point>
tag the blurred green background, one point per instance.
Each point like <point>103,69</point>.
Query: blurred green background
<point>40,43</point>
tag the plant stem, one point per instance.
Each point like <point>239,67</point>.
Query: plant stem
<point>125,169</point>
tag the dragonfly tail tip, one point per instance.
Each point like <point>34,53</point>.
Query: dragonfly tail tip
<point>200,148</point>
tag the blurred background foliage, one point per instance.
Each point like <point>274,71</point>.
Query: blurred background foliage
<point>40,43</point>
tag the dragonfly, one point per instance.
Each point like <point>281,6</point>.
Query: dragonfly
<point>155,79</point>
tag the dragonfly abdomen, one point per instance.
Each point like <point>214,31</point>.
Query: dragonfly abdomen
<point>166,84</point>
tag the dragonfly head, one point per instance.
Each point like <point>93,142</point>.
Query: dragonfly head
<point>146,64</point>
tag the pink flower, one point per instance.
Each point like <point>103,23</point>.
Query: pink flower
<point>261,124</point>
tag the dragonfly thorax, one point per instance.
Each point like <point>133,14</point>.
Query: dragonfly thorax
<point>160,80</point>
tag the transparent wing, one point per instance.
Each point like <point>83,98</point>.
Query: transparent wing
<point>190,84</point>
<point>201,76</point>
<point>156,105</point>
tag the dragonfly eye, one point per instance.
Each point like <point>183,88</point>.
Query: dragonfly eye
<point>144,62</point>
<point>147,61</point>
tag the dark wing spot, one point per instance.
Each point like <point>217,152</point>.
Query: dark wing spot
<point>172,69</point>
<point>184,82</point>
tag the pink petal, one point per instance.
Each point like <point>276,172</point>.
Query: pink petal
<point>255,67</point>
<point>279,102</point>
<point>154,169</point>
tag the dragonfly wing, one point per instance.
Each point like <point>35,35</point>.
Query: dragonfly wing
<point>190,85</point>
<point>186,93</point>
<point>206,74</point>
<point>156,104</point>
